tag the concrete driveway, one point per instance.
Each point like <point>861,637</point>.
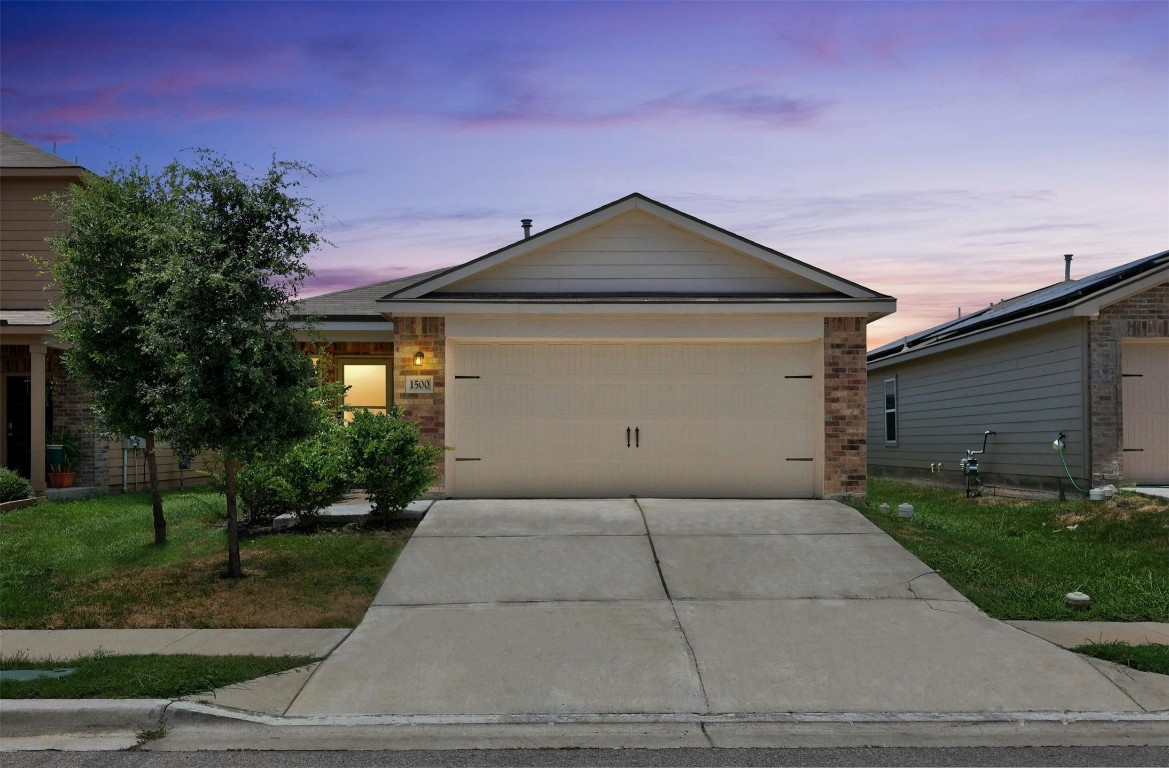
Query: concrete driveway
<point>677,606</point>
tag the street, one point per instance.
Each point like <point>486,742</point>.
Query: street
<point>606,758</point>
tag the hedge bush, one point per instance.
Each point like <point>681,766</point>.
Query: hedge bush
<point>303,478</point>
<point>376,452</point>
<point>13,487</point>
<point>390,461</point>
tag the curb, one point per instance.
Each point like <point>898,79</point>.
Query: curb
<point>40,717</point>
<point>197,726</point>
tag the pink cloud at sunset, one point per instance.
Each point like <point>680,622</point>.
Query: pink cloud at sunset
<point>947,154</point>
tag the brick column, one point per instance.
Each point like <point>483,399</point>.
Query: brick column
<point>73,410</point>
<point>1143,316</point>
<point>845,377</point>
<point>428,411</point>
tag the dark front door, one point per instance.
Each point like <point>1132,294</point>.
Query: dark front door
<point>18,424</point>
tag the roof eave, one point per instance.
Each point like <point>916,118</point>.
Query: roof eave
<point>630,202</point>
<point>871,309</point>
<point>72,171</point>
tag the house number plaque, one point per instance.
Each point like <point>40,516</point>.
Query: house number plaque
<point>419,385</point>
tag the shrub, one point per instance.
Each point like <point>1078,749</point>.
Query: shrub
<point>13,487</point>
<point>390,463</point>
<point>303,478</point>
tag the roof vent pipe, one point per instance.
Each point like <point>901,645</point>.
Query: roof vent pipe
<point>1067,267</point>
<point>527,225</point>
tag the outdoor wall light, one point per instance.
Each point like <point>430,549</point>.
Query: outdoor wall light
<point>419,357</point>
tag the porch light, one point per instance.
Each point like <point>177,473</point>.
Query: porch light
<point>419,357</point>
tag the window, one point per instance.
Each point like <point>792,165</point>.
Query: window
<point>890,410</point>
<point>368,386</point>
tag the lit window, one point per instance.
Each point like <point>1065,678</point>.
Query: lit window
<point>367,387</point>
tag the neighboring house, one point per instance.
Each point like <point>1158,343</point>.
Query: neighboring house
<point>632,350</point>
<point>36,397</point>
<point>1087,358</point>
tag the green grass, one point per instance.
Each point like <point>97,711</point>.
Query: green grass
<point>1018,559</point>
<point>92,563</point>
<point>1151,657</point>
<point>141,677</point>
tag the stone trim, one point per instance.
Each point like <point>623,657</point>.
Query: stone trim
<point>428,411</point>
<point>845,396</point>
<point>1143,316</point>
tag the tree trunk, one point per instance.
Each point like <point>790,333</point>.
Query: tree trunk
<point>155,492</point>
<point>234,571</point>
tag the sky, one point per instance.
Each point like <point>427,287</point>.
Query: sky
<point>945,153</point>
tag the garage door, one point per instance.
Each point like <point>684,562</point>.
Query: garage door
<point>1144,399</point>
<point>619,419</point>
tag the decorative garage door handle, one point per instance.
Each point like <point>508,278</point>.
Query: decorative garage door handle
<point>637,437</point>
<point>627,437</point>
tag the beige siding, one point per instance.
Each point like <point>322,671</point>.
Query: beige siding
<point>1027,388</point>
<point>651,419</point>
<point>168,469</point>
<point>25,222</point>
<point>1145,404</point>
<point>643,328</point>
<point>632,253</point>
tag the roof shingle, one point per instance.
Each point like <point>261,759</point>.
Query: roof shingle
<point>358,303</point>
<point>1028,304</point>
<point>15,153</point>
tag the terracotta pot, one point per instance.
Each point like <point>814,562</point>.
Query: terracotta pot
<point>61,479</point>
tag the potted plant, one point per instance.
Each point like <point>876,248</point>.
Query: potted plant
<point>62,463</point>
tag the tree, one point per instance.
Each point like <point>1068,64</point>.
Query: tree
<point>232,379</point>
<point>115,229</point>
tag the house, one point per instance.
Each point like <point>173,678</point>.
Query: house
<point>36,396</point>
<point>632,350</point>
<point>1087,359</point>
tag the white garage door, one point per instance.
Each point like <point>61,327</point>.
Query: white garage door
<point>620,419</point>
<point>1144,399</point>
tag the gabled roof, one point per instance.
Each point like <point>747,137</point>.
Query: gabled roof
<point>1080,297</point>
<point>355,303</point>
<point>16,154</point>
<point>427,290</point>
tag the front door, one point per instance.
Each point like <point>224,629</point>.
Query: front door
<point>18,424</point>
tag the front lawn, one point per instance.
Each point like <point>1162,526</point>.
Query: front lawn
<point>1018,559</point>
<point>1148,657</point>
<point>92,564</point>
<point>141,677</point>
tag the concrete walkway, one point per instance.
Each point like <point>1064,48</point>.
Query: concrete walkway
<point>668,607</point>
<point>634,623</point>
<point>70,643</point>
<point>1160,491</point>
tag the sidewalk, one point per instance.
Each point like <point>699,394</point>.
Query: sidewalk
<point>1069,634</point>
<point>70,643</point>
<point>254,712</point>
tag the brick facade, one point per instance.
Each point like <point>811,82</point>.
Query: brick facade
<point>845,392</point>
<point>332,350</point>
<point>1143,316</point>
<point>72,409</point>
<point>428,335</point>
